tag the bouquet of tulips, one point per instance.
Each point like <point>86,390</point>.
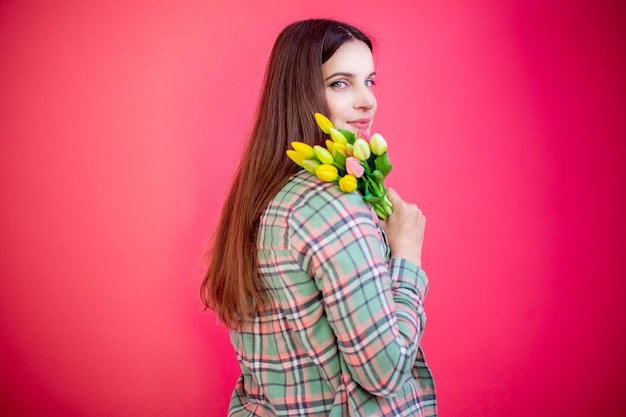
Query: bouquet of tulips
<point>355,162</point>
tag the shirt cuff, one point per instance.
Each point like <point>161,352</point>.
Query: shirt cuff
<point>405,273</point>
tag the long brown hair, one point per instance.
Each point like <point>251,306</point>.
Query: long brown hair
<point>293,90</point>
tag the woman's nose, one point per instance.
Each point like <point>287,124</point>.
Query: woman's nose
<point>364,98</point>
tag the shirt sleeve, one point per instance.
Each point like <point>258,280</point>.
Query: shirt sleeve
<point>375,308</point>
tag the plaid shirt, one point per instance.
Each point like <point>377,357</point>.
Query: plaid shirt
<point>341,336</point>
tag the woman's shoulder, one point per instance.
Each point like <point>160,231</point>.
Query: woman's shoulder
<point>310,207</point>
<point>304,190</point>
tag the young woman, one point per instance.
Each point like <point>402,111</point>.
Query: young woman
<point>324,301</point>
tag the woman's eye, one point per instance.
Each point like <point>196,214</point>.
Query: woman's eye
<point>370,83</point>
<point>339,84</point>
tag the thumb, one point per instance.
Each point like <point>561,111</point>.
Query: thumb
<point>394,197</point>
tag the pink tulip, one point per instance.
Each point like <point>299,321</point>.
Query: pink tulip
<point>354,167</point>
<point>363,135</point>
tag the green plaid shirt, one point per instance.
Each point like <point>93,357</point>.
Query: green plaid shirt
<point>341,336</point>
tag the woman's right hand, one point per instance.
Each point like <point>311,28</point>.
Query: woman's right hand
<point>405,229</point>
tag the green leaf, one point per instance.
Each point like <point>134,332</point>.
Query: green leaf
<point>350,137</point>
<point>383,165</point>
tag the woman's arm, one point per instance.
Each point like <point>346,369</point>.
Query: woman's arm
<point>376,311</point>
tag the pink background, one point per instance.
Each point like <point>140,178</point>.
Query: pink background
<point>121,123</point>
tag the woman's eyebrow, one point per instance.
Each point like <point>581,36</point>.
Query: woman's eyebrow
<point>345,74</point>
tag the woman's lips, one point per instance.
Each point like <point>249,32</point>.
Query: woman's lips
<point>362,124</point>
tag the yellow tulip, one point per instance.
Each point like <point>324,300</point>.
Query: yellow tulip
<point>327,172</point>
<point>330,146</point>
<point>323,155</point>
<point>361,150</point>
<point>347,183</point>
<point>310,165</point>
<point>302,148</point>
<point>295,156</point>
<point>378,145</point>
<point>340,148</point>
<point>323,122</point>
<point>337,136</point>
<point>349,148</point>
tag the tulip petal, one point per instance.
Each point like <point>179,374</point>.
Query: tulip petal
<point>330,145</point>
<point>354,167</point>
<point>337,136</point>
<point>323,122</point>
<point>310,165</point>
<point>338,147</point>
<point>361,150</point>
<point>350,136</point>
<point>378,144</point>
<point>326,172</point>
<point>304,149</point>
<point>295,156</point>
<point>323,155</point>
<point>347,184</point>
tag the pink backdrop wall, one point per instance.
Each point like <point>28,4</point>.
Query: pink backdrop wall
<point>121,123</point>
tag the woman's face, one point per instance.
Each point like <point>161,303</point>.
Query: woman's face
<point>349,77</point>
